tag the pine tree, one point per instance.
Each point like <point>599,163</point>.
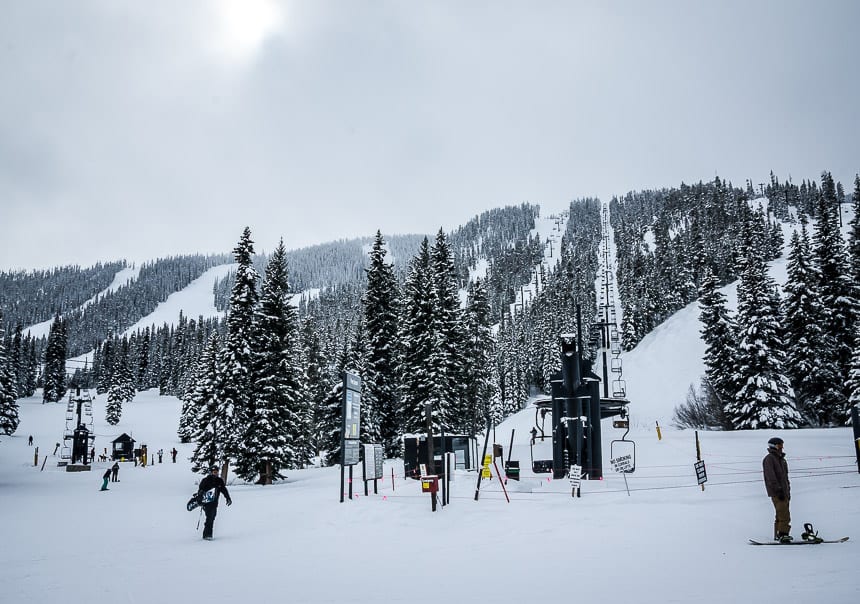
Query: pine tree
<point>765,398</point>
<point>479,353</point>
<point>417,342</point>
<point>718,334</point>
<point>854,234</point>
<point>200,421</point>
<point>8,392</point>
<point>811,365</point>
<point>837,291</point>
<point>272,437</point>
<point>446,371</point>
<point>379,380</point>
<point>55,363</point>
<point>113,409</point>
<point>316,383</point>
<point>236,359</point>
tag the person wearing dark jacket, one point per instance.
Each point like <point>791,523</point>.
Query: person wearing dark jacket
<point>207,494</point>
<point>778,488</point>
<point>105,478</point>
<point>114,472</point>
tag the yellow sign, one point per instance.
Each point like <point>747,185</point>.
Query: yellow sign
<point>485,473</point>
<point>488,459</point>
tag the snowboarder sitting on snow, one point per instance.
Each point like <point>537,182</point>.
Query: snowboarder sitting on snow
<point>106,477</point>
<point>207,495</point>
<point>778,488</point>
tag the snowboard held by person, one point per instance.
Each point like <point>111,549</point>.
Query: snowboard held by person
<point>778,487</point>
<point>207,494</point>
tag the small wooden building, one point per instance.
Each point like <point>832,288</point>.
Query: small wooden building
<point>122,448</point>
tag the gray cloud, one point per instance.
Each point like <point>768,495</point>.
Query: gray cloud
<point>125,123</point>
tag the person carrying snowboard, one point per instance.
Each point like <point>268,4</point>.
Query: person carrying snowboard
<point>778,488</point>
<point>207,494</point>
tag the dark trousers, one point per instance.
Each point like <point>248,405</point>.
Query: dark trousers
<point>210,510</point>
<point>115,477</point>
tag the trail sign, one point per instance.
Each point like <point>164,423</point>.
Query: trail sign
<point>701,474</point>
<point>622,463</point>
<point>575,476</point>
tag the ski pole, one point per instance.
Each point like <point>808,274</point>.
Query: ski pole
<point>198,518</point>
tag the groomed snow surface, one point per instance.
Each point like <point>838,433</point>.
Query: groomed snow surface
<point>667,541</point>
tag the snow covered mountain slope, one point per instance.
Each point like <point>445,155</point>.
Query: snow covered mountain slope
<point>121,278</point>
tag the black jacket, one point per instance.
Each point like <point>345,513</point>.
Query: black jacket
<point>212,481</point>
<point>775,470</point>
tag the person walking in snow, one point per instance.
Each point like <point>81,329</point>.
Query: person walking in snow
<point>173,454</point>
<point>778,488</point>
<point>30,441</point>
<point>207,494</point>
<point>114,472</point>
<point>160,453</point>
<point>105,477</point>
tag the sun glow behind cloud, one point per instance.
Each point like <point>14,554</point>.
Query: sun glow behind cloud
<point>243,26</point>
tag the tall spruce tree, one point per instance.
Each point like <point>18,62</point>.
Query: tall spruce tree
<point>379,381</point>
<point>9,419</point>
<point>236,361</point>
<point>272,438</point>
<point>54,377</point>
<point>811,364</point>
<point>417,342</point>
<point>446,370</point>
<point>837,291</point>
<point>317,382</point>
<point>479,352</point>
<point>854,234</point>
<point>201,418</point>
<point>765,398</point>
<point>719,335</point>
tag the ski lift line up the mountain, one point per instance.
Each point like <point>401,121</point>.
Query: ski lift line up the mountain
<point>607,321</point>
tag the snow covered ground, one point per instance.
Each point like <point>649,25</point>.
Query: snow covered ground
<point>667,541</point>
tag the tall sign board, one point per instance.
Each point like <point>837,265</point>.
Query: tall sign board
<point>350,427</point>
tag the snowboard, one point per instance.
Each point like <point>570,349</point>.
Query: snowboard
<point>799,542</point>
<point>196,502</point>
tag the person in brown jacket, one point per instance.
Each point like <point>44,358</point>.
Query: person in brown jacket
<point>778,487</point>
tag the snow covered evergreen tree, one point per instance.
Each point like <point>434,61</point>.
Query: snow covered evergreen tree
<point>200,417</point>
<point>718,334</point>
<point>54,380</point>
<point>417,342</point>
<point>273,434</point>
<point>317,382</point>
<point>479,351</point>
<point>8,392</point>
<point>765,398</point>
<point>115,399</point>
<point>446,370</point>
<point>811,362</point>
<point>236,359</point>
<point>854,234</point>
<point>379,380</point>
<point>837,291</point>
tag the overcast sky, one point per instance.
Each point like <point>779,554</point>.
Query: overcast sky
<point>144,129</point>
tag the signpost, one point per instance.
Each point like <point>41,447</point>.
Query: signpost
<point>371,468</point>
<point>575,480</point>
<point>351,422</point>
<point>623,464</point>
<point>701,474</point>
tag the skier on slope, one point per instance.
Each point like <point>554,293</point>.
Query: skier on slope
<point>207,495</point>
<point>778,487</point>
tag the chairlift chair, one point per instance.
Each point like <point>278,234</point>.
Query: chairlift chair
<point>619,388</point>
